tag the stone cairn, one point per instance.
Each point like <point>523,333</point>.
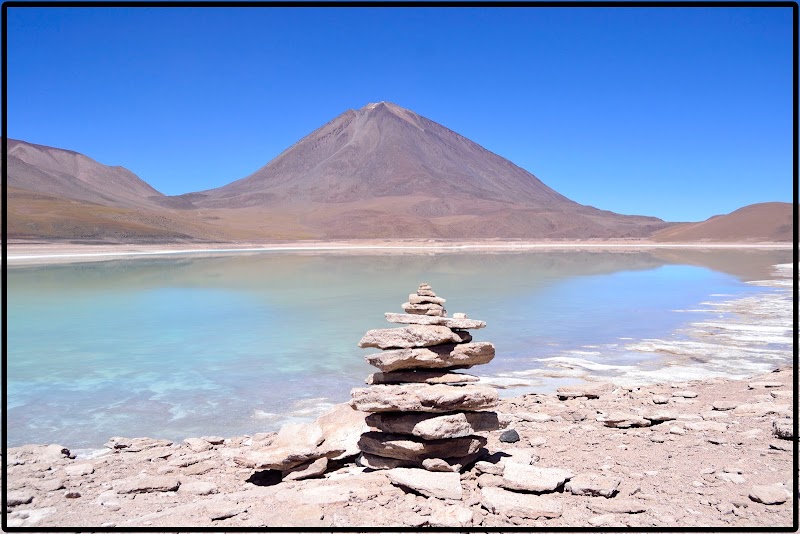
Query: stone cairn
<point>423,413</point>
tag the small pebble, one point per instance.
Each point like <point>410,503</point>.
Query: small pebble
<point>509,436</point>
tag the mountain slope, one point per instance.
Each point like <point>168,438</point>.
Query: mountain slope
<point>768,221</point>
<point>385,171</point>
<point>384,150</point>
<point>68,174</point>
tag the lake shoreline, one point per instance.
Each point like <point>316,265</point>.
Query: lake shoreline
<point>26,252</point>
<point>713,456</point>
<point>714,453</point>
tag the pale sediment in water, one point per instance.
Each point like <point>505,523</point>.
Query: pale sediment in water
<point>751,334</point>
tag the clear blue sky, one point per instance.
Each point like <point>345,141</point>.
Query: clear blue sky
<point>680,113</point>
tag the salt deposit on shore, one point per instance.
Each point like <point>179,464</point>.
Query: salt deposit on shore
<point>710,453</point>
<point>743,336</point>
<point>24,253</point>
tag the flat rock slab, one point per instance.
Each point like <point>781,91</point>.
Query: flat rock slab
<point>425,299</point>
<point>590,391</point>
<point>435,357</point>
<point>198,487</point>
<point>715,426</point>
<point>78,470</point>
<point>404,447</point>
<point>428,483</point>
<point>723,405</point>
<point>623,420</point>
<point>413,336</point>
<point>423,398</point>
<point>760,409</point>
<point>455,425</point>
<point>307,470</point>
<point>421,377</point>
<point>451,516</point>
<point>455,464</point>
<point>197,444</point>
<point>424,309</point>
<point>519,476</point>
<point>18,497</point>
<point>617,506</point>
<point>660,416</point>
<point>593,484</point>
<point>148,484</point>
<point>222,510</point>
<point>764,385</point>
<point>454,322</point>
<point>684,394</point>
<point>769,494</point>
<point>512,504</point>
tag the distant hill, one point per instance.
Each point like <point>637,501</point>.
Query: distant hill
<point>68,174</point>
<point>381,171</point>
<point>768,221</point>
<point>385,171</point>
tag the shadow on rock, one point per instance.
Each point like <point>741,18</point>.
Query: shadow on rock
<point>268,477</point>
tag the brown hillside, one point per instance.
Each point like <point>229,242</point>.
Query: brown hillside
<point>34,215</point>
<point>68,174</point>
<point>768,221</point>
<point>385,171</point>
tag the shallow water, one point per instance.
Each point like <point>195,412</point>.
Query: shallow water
<point>237,344</point>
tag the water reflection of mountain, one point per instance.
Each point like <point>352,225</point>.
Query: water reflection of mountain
<point>747,264</point>
<point>281,273</point>
<point>333,272</point>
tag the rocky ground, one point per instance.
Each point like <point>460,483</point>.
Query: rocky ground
<point>716,453</point>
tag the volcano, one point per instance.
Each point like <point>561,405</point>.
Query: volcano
<point>385,171</point>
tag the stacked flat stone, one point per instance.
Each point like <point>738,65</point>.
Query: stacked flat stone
<point>423,413</point>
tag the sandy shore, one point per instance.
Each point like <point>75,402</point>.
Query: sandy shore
<point>39,253</point>
<point>715,452</point>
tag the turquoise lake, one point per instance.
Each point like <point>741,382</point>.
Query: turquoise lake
<point>228,345</point>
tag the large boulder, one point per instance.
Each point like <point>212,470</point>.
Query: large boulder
<point>333,435</point>
<point>295,444</point>
<point>341,428</point>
